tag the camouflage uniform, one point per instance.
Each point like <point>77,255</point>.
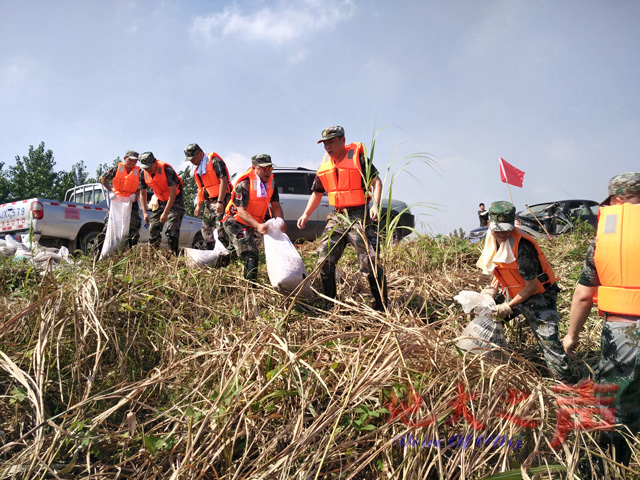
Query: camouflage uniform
<point>175,214</point>
<point>541,309</point>
<point>212,219</point>
<point>541,312</point>
<point>134,223</point>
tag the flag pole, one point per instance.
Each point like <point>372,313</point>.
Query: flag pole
<point>510,196</point>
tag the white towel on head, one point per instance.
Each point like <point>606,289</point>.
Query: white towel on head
<point>492,255</point>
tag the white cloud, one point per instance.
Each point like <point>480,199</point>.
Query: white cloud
<point>287,22</point>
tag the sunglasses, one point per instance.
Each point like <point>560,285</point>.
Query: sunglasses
<point>267,169</point>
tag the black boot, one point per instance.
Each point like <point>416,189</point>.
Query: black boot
<point>329,287</point>
<point>174,245</point>
<point>378,284</point>
<point>251,268</point>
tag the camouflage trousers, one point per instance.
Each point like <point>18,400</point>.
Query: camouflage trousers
<point>134,227</point>
<point>541,313</point>
<point>242,237</point>
<point>620,365</point>
<point>350,227</point>
<point>173,222</point>
<point>212,220</point>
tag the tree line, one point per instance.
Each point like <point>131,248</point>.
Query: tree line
<point>34,175</point>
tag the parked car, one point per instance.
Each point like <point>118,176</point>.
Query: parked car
<point>76,222</point>
<point>558,217</point>
<point>294,189</point>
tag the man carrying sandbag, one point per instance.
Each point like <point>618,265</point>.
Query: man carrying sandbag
<point>125,178</point>
<point>167,187</point>
<point>351,181</point>
<point>254,191</point>
<point>522,271</point>
<point>214,192</point>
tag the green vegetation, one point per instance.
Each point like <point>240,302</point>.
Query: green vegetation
<point>140,367</point>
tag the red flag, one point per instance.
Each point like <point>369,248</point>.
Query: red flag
<point>510,174</point>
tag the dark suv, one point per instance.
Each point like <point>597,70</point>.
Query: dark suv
<point>294,189</point>
<point>558,217</point>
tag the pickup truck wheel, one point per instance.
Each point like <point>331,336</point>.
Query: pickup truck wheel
<point>198,242</point>
<point>89,242</point>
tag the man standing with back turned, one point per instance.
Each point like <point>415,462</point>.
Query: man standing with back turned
<point>348,177</point>
<point>611,268</point>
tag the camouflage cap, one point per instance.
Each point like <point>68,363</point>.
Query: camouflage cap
<point>146,160</point>
<point>131,154</point>
<point>261,160</point>
<point>331,132</point>
<point>502,216</point>
<point>191,151</point>
<point>623,184</point>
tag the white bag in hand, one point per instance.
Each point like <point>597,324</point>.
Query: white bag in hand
<point>204,258</point>
<point>284,265</point>
<point>118,224</point>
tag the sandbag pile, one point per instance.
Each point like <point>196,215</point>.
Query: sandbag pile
<point>33,253</point>
<point>285,267</point>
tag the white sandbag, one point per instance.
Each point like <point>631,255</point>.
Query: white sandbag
<point>483,335</point>
<point>205,258</point>
<point>117,225</point>
<point>285,267</point>
<point>14,245</point>
<point>4,250</point>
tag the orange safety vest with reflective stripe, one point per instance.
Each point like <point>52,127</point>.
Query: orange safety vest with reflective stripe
<point>126,184</point>
<point>617,259</point>
<point>343,181</point>
<point>159,182</point>
<point>257,206</point>
<point>510,278</point>
<point>209,182</point>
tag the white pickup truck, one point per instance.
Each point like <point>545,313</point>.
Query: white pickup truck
<point>76,222</point>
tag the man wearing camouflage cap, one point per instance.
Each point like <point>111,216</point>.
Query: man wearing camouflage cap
<point>611,268</point>
<point>254,191</point>
<point>167,188</point>
<point>125,178</point>
<point>351,181</point>
<point>522,271</point>
<point>214,192</point>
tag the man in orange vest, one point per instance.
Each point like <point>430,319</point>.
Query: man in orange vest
<point>167,187</point>
<point>348,177</point>
<point>612,269</point>
<point>214,192</point>
<point>522,271</point>
<point>254,191</point>
<point>125,178</point>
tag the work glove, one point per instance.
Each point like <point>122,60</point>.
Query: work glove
<point>503,310</point>
<point>491,291</point>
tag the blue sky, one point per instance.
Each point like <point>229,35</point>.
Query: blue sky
<point>549,85</point>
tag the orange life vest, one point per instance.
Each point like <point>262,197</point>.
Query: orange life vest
<point>209,182</point>
<point>510,278</point>
<point>257,206</point>
<point>126,184</point>
<point>617,258</point>
<point>343,181</point>
<point>159,182</point>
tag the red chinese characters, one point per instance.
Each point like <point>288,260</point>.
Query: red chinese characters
<point>582,410</point>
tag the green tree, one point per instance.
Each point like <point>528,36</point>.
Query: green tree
<point>77,176</point>
<point>34,175</point>
<point>190,190</point>
<point>4,185</point>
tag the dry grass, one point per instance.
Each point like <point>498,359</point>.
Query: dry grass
<point>141,368</point>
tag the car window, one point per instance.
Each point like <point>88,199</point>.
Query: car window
<point>535,209</point>
<point>77,197</point>
<point>88,196</point>
<point>292,183</point>
<point>99,196</point>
